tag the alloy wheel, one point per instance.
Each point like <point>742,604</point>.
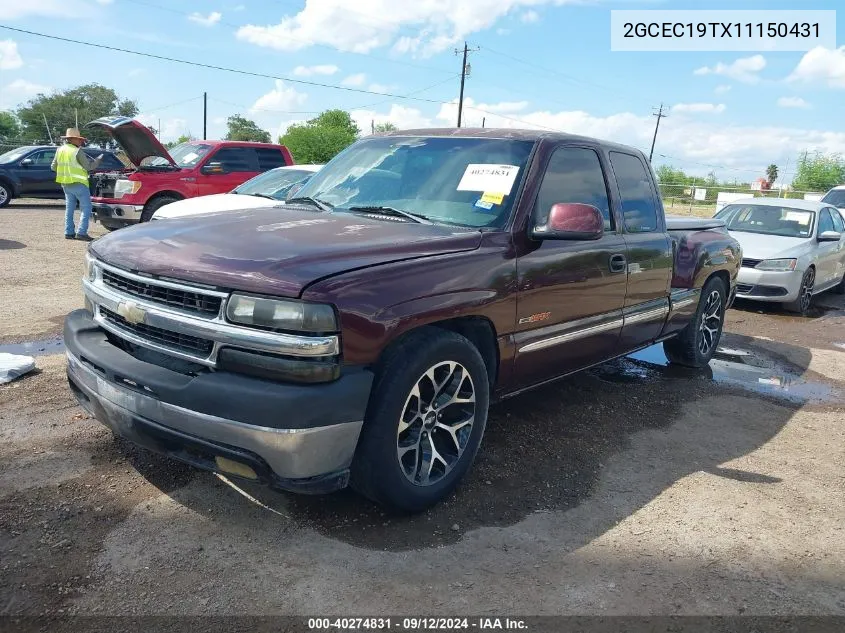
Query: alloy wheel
<point>807,289</point>
<point>711,321</point>
<point>4,195</point>
<point>436,423</point>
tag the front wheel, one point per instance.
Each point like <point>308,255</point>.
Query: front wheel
<point>424,423</point>
<point>5,194</point>
<point>155,205</point>
<point>805,295</point>
<point>697,342</point>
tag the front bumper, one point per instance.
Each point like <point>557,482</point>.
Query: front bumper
<point>109,214</point>
<point>767,285</point>
<point>293,437</point>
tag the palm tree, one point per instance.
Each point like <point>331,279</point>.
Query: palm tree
<point>772,174</point>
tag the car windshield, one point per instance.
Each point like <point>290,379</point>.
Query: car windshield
<point>768,220</point>
<point>14,154</point>
<point>463,181</point>
<point>835,197</point>
<point>185,155</point>
<point>275,183</point>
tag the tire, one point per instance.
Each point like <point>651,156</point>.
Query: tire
<point>391,466</point>
<point>840,287</point>
<point>6,194</point>
<point>805,295</point>
<point>698,341</point>
<point>154,205</point>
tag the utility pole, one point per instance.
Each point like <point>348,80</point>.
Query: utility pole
<point>483,121</point>
<point>659,114</point>
<point>158,129</point>
<point>465,71</point>
<point>204,115</point>
<point>372,126</point>
<point>49,135</point>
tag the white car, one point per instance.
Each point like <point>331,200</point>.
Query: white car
<point>791,249</point>
<point>836,198</point>
<point>265,190</point>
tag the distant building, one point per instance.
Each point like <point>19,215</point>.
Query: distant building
<point>761,184</point>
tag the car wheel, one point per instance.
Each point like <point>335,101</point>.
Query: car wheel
<point>698,341</point>
<point>5,194</point>
<point>424,423</point>
<point>154,205</point>
<point>805,295</point>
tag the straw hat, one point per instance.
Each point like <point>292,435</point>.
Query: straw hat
<point>72,132</point>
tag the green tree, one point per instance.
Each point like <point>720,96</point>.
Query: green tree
<point>61,110</point>
<point>322,138</point>
<point>819,172</point>
<point>242,129</point>
<point>185,138</point>
<point>381,128</point>
<point>667,175</point>
<point>10,129</point>
<point>771,174</point>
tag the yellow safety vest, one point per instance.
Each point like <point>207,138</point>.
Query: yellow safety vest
<point>68,169</point>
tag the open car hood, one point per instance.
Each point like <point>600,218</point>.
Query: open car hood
<point>136,139</point>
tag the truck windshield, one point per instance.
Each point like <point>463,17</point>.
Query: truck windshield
<point>275,183</point>
<point>463,181</point>
<point>185,155</point>
<point>836,197</point>
<point>768,220</point>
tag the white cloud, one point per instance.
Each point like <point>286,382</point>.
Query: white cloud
<point>354,81</point>
<point>371,24</point>
<point>698,108</point>
<point>821,65</point>
<point>793,102</point>
<point>530,17</point>
<point>404,118</point>
<point>18,91</point>
<point>308,71</point>
<point>171,128</point>
<point>13,9</point>
<point>205,20</point>
<point>380,88</point>
<point>744,69</point>
<point>280,99</point>
<point>722,89</point>
<point>10,59</point>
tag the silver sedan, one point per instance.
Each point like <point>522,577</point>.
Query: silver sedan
<point>791,249</point>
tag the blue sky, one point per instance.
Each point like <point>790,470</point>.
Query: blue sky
<point>539,63</point>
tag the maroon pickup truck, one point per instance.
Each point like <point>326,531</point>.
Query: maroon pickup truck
<point>358,334</point>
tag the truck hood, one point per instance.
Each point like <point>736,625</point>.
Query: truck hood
<point>136,139</point>
<point>212,204</point>
<point>274,251</point>
<point>759,246</point>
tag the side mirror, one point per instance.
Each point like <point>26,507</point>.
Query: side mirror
<point>830,236</point>
<point>571,221</point>
<point>26,162</point>
<point>213,168</point>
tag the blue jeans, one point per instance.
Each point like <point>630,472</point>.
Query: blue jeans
<point>77,192</point>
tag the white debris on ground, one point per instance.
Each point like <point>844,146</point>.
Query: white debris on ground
<point>13,366</point>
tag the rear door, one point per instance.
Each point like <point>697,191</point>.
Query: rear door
<point>829,252</point>
<point>571,293</point>
<point>36,176</point>
<point>650,257</point>
<point>239,164</point>
<point>839,225</point>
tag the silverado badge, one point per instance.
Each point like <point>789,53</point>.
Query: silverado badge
<point>131,311</point>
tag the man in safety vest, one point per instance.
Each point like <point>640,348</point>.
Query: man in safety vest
<point>72,166</point>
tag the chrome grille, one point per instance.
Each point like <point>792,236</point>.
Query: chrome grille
<point>747,262</point>
<point>183,299</point>
<point>172,340</point>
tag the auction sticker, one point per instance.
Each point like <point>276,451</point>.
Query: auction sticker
<point>488,178</point>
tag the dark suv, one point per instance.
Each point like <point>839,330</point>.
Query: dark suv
<point>25,171</point>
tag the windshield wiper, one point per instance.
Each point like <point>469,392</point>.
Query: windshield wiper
<point>322,206</point>
<point>261,195</point>
<point>416,217</point>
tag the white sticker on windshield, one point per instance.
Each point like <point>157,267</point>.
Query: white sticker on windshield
<point>489,178</point>
<point>797,216</point>
<point>190,157</point>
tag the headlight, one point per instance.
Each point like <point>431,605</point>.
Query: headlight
<point>777,264</point>
<point>281,314</point>
<point>123,187</point>
<point>90,269</point>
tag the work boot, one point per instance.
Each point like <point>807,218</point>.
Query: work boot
<point>84,238</point>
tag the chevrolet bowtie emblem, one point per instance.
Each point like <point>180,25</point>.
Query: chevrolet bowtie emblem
<point>131,311</point>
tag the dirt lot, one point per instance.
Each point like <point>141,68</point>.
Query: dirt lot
<point>635,488</point>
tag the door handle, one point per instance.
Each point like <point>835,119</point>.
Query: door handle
<point>618,263</point>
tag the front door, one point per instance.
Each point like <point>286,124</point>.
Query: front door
<point>839,263</point>
<point>650,256</point>
<point>239,165</point>
<point>36,177</point>
<point>571,293</point>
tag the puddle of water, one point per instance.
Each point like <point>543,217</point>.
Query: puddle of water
<point>839,345</point>
<point>35,348</point>
<point>737,367</point>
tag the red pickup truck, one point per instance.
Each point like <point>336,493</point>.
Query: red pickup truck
<point>358,334</point>
<point>197,168</point>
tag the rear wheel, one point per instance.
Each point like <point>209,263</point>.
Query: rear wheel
<point>5,194</point>
<point>805,295</point>
<point>697,342</point>
<point>425,421</point>
<point>154,205</point>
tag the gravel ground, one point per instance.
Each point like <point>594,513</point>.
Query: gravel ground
<point>634,488</point>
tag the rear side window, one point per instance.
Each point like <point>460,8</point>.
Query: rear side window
<point>838,222</point>
<point>639,206</point>
<point>269,158</point>
<point>236,159</point>
<point>825,222</point>
<point>43,158</point>
<point>110,161</point>
<point>574,174</point>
